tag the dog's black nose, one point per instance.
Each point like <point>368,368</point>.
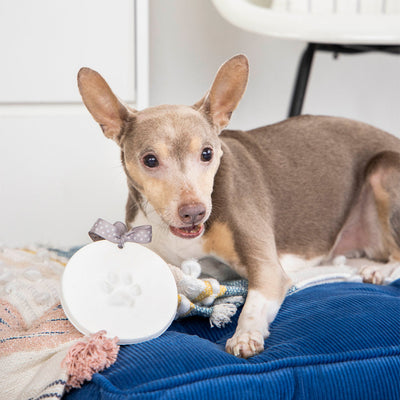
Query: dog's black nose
<point>192,213</point>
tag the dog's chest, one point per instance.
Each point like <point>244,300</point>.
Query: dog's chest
<point>174,250</point>
<point>171,248</point>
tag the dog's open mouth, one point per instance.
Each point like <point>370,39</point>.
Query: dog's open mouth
<point>189,232</point>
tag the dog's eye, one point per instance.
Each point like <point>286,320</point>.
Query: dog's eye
<point>206,154</point>
<point>150,160</point>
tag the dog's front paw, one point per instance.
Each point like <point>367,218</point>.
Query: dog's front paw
<point>245,344</point>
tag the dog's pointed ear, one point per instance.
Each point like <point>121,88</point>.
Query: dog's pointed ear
<point>226,91</point>
<point>102,103</point>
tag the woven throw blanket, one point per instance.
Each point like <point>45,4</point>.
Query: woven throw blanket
<point>41,353</point>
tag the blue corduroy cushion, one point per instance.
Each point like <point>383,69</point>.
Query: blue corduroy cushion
<point>333,341</point>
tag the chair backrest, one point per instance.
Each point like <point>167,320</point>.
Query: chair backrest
<point>366,7</point>
<point>371,22</point>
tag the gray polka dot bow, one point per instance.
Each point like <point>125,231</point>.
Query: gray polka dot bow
<point>118,233</point>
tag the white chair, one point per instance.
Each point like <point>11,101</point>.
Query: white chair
<point>338,26</point>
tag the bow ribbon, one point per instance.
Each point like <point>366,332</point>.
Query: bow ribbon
<point>118,233</point>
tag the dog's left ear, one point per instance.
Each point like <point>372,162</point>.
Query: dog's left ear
<point>226,91</point>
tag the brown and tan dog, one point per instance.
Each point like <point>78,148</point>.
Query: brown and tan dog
<point>308,188</point>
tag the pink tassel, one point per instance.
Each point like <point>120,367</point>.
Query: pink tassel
<point>87,357</point>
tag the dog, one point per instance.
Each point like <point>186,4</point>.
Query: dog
<point>305,189</point>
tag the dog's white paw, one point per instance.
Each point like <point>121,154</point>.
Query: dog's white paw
<point>371,274</point>
<point>376,273</point>
<point>245,344</point>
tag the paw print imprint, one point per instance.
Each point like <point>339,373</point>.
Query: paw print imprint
<point>120,289</point>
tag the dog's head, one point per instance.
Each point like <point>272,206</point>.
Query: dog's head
<point>170,153</point>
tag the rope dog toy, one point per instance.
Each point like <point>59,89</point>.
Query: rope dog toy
<point>206,297</point>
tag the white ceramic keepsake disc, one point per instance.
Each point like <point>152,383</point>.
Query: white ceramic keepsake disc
<point>129,292</point>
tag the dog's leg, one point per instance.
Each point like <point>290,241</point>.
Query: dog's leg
<point>255,258</point>
<point>373,225</point>
<point>384,177</point>
<point>268,285</point>
<point>260,309</point>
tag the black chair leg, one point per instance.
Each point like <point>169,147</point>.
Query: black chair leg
<point>303,74</point>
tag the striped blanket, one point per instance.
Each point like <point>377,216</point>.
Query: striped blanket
<point>40,351</point>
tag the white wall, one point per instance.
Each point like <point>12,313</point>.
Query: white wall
<point>189,40</point>
<point>58,173</point>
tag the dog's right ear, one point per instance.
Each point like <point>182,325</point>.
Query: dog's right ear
<point>102,103</point>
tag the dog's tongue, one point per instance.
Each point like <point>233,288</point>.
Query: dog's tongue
<point>187,232</point>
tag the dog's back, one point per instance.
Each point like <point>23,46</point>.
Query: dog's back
<point>310,169</point>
